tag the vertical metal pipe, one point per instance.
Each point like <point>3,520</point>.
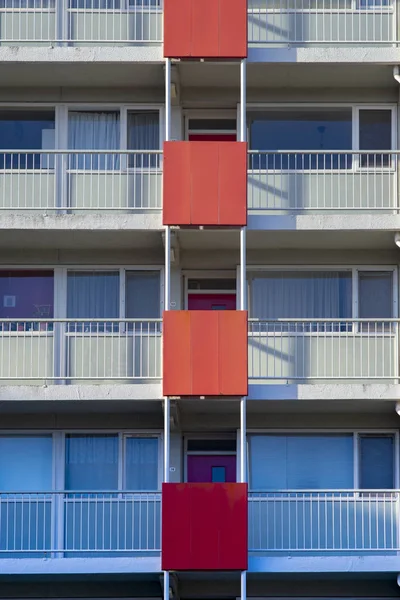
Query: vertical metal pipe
<point>168,100</point>
<point>167,413</point>
<point>243,102</point>
<point>243,586</point>
<point>166,585</point>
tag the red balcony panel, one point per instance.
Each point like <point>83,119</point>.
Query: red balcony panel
<point>177,29</point>
<point>233,18</point>
<point>176,358</point>
<point>205,183</point>
<point>204,527</point>
<point>205,29</point>
<point>205,353</point>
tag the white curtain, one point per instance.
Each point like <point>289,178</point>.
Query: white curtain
<point>302,295</point>
<point>94,131</point>
<point>93,295</point>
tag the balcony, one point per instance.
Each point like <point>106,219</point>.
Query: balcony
<point>79,524</point>
<point>77,351</point>
<point>80,181</point>
<point>126,351</point>
<point>319,183</point>
<point>321,522</point>
<point>302,23</point>
<point>131,182</point>
<point>271,23</point>
<point>345,351</point>
<point>110,524</point>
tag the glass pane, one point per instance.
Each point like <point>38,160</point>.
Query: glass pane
<point>305,129</point>
<point>93,295</point>
<point>94,131</point>
<point>375,134</point>
<point>211,446</point>
<point>212,124</point>
<point>26,463</point>
<point>375,294</point>
<point>26,295</point>
<point>218,474</point>
<point>142,295</point>
<point>377,462</point>
<point>141,468</point>
<point>303,295</point>
<point>26,130</point>
<point>143,134</point>
<point>91,462</point>
<point>212,284</point>
<point>295,462</point>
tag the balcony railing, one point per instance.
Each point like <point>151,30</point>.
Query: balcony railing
<point>110,523</point>
<point>131,182</point>
<point>303,351</point>
<point>81,22</point>
<point>331,181</point>
<point>139,22</point>
<point>56,524</point>
<point>72,351</point>
<point>314,22</point>
<point>324,521</point>
<point>77,181</point>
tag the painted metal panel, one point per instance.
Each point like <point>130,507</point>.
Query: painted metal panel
<point>177,28</point>
<point>233,28</point>
<point>232,353</point>
<point>205,183</point>
<point>177,368</point>
<point>204,352</point>
<point>211,533</point>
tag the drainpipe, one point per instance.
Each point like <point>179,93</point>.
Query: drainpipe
<point>396,73</point>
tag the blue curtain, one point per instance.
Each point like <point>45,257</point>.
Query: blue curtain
<point>91,462</point>
<point>141,469</point>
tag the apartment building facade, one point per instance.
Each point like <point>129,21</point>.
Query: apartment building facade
<point>199,329</point>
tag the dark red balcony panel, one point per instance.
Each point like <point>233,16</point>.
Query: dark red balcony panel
<point>205,353</point>
<point>205,29</point>
<point>204,527</point>
<point>205,183</point>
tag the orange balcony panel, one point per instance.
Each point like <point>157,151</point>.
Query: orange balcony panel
<point>205,183</point>
<point>204,527</point>
<point>205,29</point>
<point>205,353</point>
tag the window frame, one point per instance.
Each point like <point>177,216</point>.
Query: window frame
<point>254,269</point>
<point>356,434</point>
<point>355,110</point>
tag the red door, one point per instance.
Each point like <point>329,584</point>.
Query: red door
<point>212,302</point>
<point>211,468</point>
<point>212,137</point>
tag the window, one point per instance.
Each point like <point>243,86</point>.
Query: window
<point>142,295</point>
<point>93,295</point>
<point>141,464</point>
<point>376,456</point>
<point>322,461</point>
<point>28,130</point>
<point>143,134</point>
<point>375,133</point>
<point>26,463</point>
<point>26,295</point>
<point>296,462</point>
<point>375,293</point>
<point>92,462</point>
<point>321,294</point>
<point>319,130</point>
<point>301,129</point>
<point>94,131</point>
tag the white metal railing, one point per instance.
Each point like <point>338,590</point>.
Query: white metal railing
<point>323,349</point>
<point>80,180</point>
<point>69,523</point>
<point>324,521</point>
<point>81,22</point>
<point>80,349</point>
<point>330,22</point>
<point>331,181</point>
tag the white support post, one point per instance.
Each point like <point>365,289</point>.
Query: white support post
<point>243,306</point>
<point>167,299</point>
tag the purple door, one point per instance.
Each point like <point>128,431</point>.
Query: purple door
<point>211,468</point>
